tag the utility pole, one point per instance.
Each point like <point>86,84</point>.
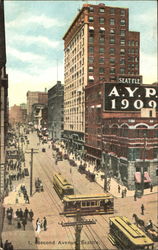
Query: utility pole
<point>142,168</point>
<point>106,162</point>
<point>33,151</point>
<point>78,224</point>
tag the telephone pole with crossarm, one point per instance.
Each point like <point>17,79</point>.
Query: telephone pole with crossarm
<point>78,224</point>
<point>33,151</point>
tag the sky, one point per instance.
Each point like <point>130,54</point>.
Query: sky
<point>35,48</point>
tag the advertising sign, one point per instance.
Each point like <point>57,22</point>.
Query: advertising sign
<point>128,97</point>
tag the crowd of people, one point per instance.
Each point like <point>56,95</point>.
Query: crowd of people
<point>22,217</point>
<point>6,246</point>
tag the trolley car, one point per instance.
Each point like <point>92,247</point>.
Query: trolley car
<point>62,186</point>
<point>125,235</point>
<point>88,204</point>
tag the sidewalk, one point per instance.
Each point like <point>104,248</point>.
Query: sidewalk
<point>15,200</point>
<point>113,183</point>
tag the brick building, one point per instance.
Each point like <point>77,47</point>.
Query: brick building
<point>101,53</point>
<point>55,111</point>
<point>3,100</point>
<point>17,114</point>
<point>35,97</point>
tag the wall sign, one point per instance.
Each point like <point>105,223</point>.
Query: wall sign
<point>129,97</point>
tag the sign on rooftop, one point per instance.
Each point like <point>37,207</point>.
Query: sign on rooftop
<point>129,97</point>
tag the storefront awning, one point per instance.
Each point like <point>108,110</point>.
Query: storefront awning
<point>137,176</point>
<point>147,177</point>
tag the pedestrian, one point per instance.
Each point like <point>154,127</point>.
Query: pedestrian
<point>20,214</point>
<point>24,223</point>
<point>45,223</point>
<point>119,188</point>
<point>26,213</point>
<point>31,215</point>
<point>122,194</point>
<point>18,223</point>
<point>6,245</point>
<point>135,196</point>
<point>151,187</point>
<point>38,227</point>
<point>10,246</point>
<point>125,191</point>
<point>142,209</point>
<point>37,223</point>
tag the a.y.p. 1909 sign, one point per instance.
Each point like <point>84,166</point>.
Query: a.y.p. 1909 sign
<point>129,97</point>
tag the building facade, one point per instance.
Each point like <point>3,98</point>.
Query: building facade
<point>101,53</point>
<point>55,111</point>
<point>35,97</point>
<point>3,101</point>
<point>39,115</point>
<point>17,114</point>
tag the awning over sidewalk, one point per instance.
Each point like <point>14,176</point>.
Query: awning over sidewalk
<point>137,177</point>
<point>147,177</point>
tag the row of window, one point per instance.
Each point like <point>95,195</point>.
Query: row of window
<point>112,21</point>
<point>112,60</point>
<point>112,50</point>
<point>113,70</point>
<point>109,10</point>
<point>112,40</point>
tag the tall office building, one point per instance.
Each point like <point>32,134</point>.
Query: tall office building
<point>3,100</point>
<point>99,48</point>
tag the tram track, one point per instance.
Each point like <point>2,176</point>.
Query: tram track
<point>91,237</point>
<point>55,202</point>
<point>90,229</point>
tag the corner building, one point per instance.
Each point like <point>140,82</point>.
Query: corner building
<point>100,52</point>
<point>98,48</point>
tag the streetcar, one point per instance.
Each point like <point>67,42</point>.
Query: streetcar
<point>88,204</point>
<point>126,235</point>
<point>62,186</point>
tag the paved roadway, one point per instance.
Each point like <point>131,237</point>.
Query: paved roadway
<point>48,204</point>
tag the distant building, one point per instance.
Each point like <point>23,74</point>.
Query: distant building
<point>39,115</point>
<point>3,101</point>
<point>35,97</point>
<point>55,111</point>
<point>17,114</point>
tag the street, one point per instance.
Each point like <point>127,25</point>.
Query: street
<point>48,204</point>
